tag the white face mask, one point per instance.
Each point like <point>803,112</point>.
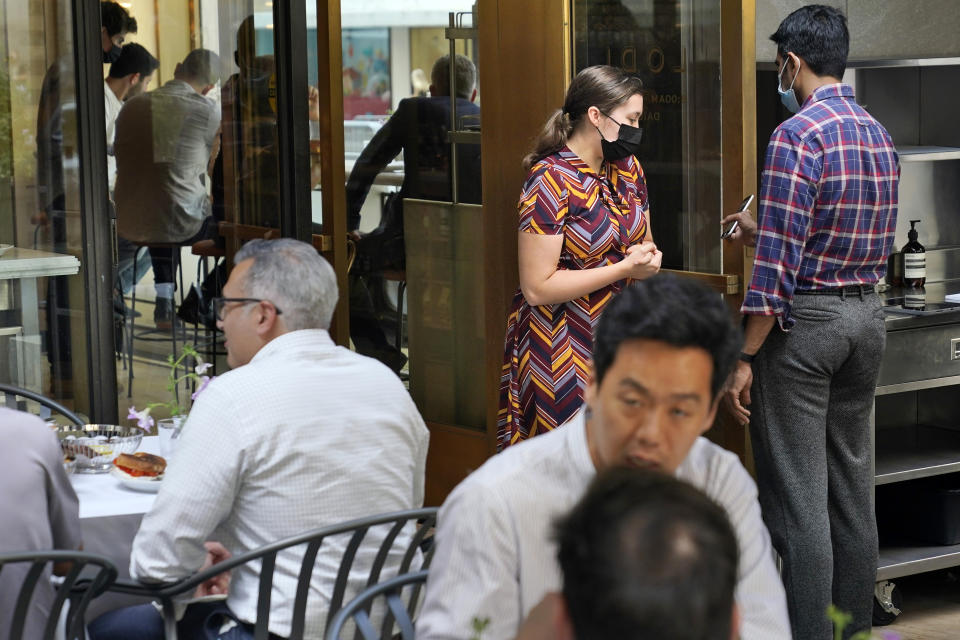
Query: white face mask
<point>788,96</point>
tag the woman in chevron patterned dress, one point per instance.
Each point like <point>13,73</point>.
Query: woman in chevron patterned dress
<point>584,233</point>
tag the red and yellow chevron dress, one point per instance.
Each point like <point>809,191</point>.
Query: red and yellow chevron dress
<point>548,347</point>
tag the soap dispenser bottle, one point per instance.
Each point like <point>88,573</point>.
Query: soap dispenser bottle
<point>914,260</point>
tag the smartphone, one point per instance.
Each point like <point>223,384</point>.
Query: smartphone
<point>736,223</point>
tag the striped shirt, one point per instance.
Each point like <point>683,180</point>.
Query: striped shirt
<point>496,557</point>
<point>828,203</point>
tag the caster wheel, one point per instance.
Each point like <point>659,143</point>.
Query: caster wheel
<point>887,602</point>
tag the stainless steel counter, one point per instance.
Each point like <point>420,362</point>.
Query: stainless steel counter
<point>935,292</point>
<point>916,432</point>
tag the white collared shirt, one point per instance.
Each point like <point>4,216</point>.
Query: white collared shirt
<point>496,558</point>
<point>111,109</point>
<point>308,434</point>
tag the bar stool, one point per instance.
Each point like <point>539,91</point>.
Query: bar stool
<point>400,277</point>
<point>148,334</point>
<point>205,249</point>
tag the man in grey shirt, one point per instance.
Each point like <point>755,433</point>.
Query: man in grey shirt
<point>164,145</point>
<point>39,508</point>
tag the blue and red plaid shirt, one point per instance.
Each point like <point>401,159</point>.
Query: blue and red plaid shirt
<point>828,203</point>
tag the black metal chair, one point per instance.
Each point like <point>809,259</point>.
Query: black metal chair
<point>267,556</point>
<point>98,572</point>
<point>398,613</point>
<point>48,406</point>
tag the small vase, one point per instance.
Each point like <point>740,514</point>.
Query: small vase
<point>169,431</point>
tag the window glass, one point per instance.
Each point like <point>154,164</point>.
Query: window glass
<point>43,332</point>
<point>674,47</point>
<point>412,159</point>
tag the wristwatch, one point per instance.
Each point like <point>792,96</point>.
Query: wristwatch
<point>747,357</point>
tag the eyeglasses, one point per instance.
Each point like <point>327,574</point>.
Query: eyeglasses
<point>219,303</point>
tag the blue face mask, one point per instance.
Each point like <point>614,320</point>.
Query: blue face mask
<point>788,96</point>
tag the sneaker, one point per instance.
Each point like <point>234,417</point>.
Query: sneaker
<point>163,314</point>
<point>195,311</point>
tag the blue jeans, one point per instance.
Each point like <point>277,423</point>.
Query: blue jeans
<point>201,621</point>
<point>127,253</point>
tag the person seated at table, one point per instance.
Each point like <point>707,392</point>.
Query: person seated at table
<point>289,441</point>
<point>662,350</point>
<point>40,512</point>
<point>642,555</point>
<point>165,143</point>
<point>418,129</point>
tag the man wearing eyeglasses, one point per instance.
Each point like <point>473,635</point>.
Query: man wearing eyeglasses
<point>289,441</point>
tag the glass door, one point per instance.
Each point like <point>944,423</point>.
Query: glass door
<point>230,61</point>
<point>47,262</point>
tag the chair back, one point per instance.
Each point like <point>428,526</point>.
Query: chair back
<point>47,406</point>
<point>98,574</point>
<point>399,613</point>
<point>267,558</point>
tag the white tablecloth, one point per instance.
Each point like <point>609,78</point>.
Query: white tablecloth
<point>110,515</point>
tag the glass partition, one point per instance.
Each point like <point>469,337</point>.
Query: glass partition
<point>413,192</point>
<point>43,329</point>
<point>674,46</point>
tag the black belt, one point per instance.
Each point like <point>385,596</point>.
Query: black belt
<point>849,290</point>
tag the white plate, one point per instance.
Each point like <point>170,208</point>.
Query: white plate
<point>4,248</point>
<point>137,483</point>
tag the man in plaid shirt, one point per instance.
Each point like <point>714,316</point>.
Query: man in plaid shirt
<point>814,325</point>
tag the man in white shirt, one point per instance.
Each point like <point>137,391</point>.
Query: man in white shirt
<point>129,77</point>
<point>288,441</point>
<point>662,350</point>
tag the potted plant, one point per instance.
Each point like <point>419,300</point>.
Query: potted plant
<point>169,428</point>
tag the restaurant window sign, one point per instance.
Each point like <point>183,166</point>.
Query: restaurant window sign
<point>674,47</point>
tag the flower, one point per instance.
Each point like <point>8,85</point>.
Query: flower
<point>144,421</point>
<point>176,377</point>
<point>204,381</point>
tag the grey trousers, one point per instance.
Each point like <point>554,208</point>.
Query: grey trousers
<point>812,398</point>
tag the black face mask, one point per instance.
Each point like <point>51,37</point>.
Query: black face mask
<point>626,144</point>
<point>109,57</point>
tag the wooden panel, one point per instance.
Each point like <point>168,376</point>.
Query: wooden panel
<point>738,165</point>
<point>524,71</point>
<point>330,147</point>
<point>454,453</point>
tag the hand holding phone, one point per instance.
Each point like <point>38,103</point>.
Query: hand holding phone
<point>736,223</point>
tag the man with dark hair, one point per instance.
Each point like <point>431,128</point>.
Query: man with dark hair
<point>642,555</point>
<point>115,23</point>
<point>663,348</point>
<point>814,331</point>
<point>418,129</point>
<point>165,144</point>
<point>129,76</point>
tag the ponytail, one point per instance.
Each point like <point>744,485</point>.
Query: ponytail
<point>552,138</point>
<point>601,86</point>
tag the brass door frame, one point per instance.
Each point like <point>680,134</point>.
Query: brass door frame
<point>738,124</point>
<point>524,69</point>
<point>331,152</point>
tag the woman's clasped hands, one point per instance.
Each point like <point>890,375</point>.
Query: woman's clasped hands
<point>642,260</point>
